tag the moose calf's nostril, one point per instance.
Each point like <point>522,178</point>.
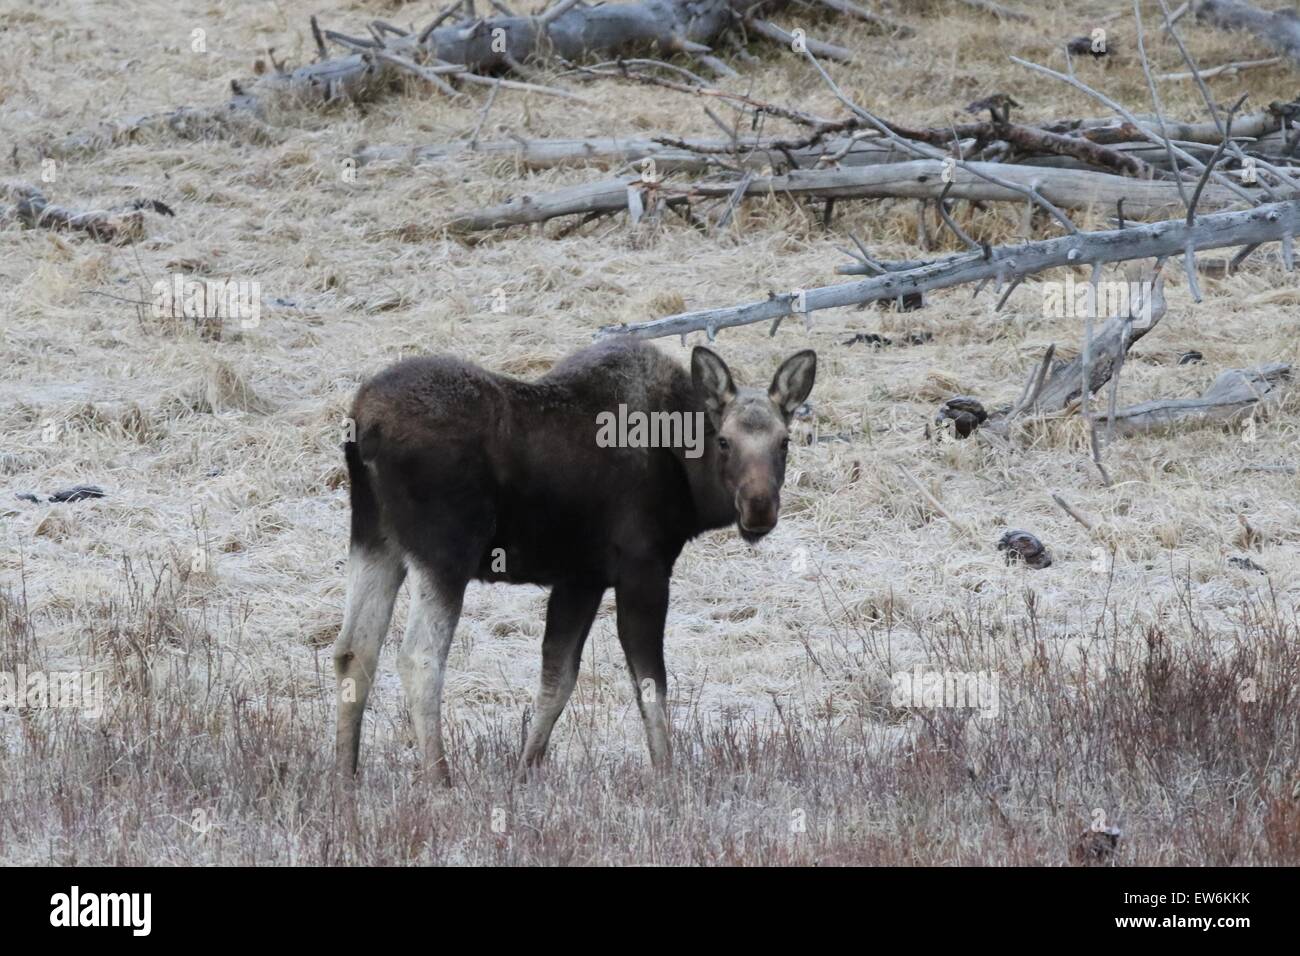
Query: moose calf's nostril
<point>759,514</point>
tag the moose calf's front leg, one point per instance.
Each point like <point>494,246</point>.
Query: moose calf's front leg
<point>569,614</point>
<point>642,599</point>
<point>422,663</point>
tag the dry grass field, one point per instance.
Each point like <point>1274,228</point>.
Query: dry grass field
<point>1155,692</point>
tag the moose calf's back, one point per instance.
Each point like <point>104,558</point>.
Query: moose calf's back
<point>519,466</point>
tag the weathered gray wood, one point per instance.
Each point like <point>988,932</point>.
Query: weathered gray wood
<point>609,151</point>
<point>608,195</point>
<point>1269,222</point>
<point>1273,145</point>
<point>917,179</point>
<point>608,30</point>
<point>1225,69</point>
<point>31,208</point>
<point>1110,130</point>
<point>923,179</point>
<point>236,117</point>
<point>1103,354</point>
<point>1233,396</point>
<point>700,154</point>
<point>783,37</point>
<point>1280,30</point>
<point>492,45</point>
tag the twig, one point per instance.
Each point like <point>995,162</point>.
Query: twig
<point>1136,123</point>
<point>734,200</point>
<point>468,77</point>
<point>557,11</point>
<point>1227,69</point>
<point>934,502</point>
<point>487,108</point>
<point>952,223</point>
<point>739,100</point>
<point>1085,392</point>
<point>429,74</point>
<point>1191,64</point>
<point>1214,159</point>
<point>1177,15</point>
<point>929,152</point>
<point>657,64</point>
<point>321,52</point>
<point>770,31</point>
<point>437,21</point>
<point>1155,101</point>
<point>1074,513</point>
<point>1034,384</point>
<point>383,26</point>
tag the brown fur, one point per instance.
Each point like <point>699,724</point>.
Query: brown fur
<point>459,474</point>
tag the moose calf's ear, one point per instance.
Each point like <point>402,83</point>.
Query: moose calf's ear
<point>793,381</point>
<point>712,380</point>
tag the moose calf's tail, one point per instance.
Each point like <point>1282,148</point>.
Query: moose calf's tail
<point>365,506</point>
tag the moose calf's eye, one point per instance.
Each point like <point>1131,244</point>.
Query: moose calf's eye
<point>723,443</point>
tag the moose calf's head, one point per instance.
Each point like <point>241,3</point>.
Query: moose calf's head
<point>751,429</point>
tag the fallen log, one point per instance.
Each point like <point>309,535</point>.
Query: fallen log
<point>1028,139</point>
<point>925,179</point>
<point>1068,387</point>
<point>235,118</point>
<point>701,154</point>
<point>608,31</point>
<point>1233,396</point>
<point>474,50</point>
<point>1226,69</point>
<point>781,37</point>
<point>1280,30</point>
<point>1270,222</point>
<point>606,196</point>
<point>31,208</point>
<point>696,155</point>
<point>1060,387</point>
<point>915,179</point>
<point>1110,130</point>
<point>1275,146</point>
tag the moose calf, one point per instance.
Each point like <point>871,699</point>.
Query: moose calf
<point>458,474</point>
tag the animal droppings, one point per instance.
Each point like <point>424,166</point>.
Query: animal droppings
<point>966,414</point>
<point>77,493</point>
<point>1023,546</point>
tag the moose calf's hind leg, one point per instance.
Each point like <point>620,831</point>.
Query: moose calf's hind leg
<point>374,576</point>
<point>422,663</point>
<point>569,614</point>
<point>652,698</point>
